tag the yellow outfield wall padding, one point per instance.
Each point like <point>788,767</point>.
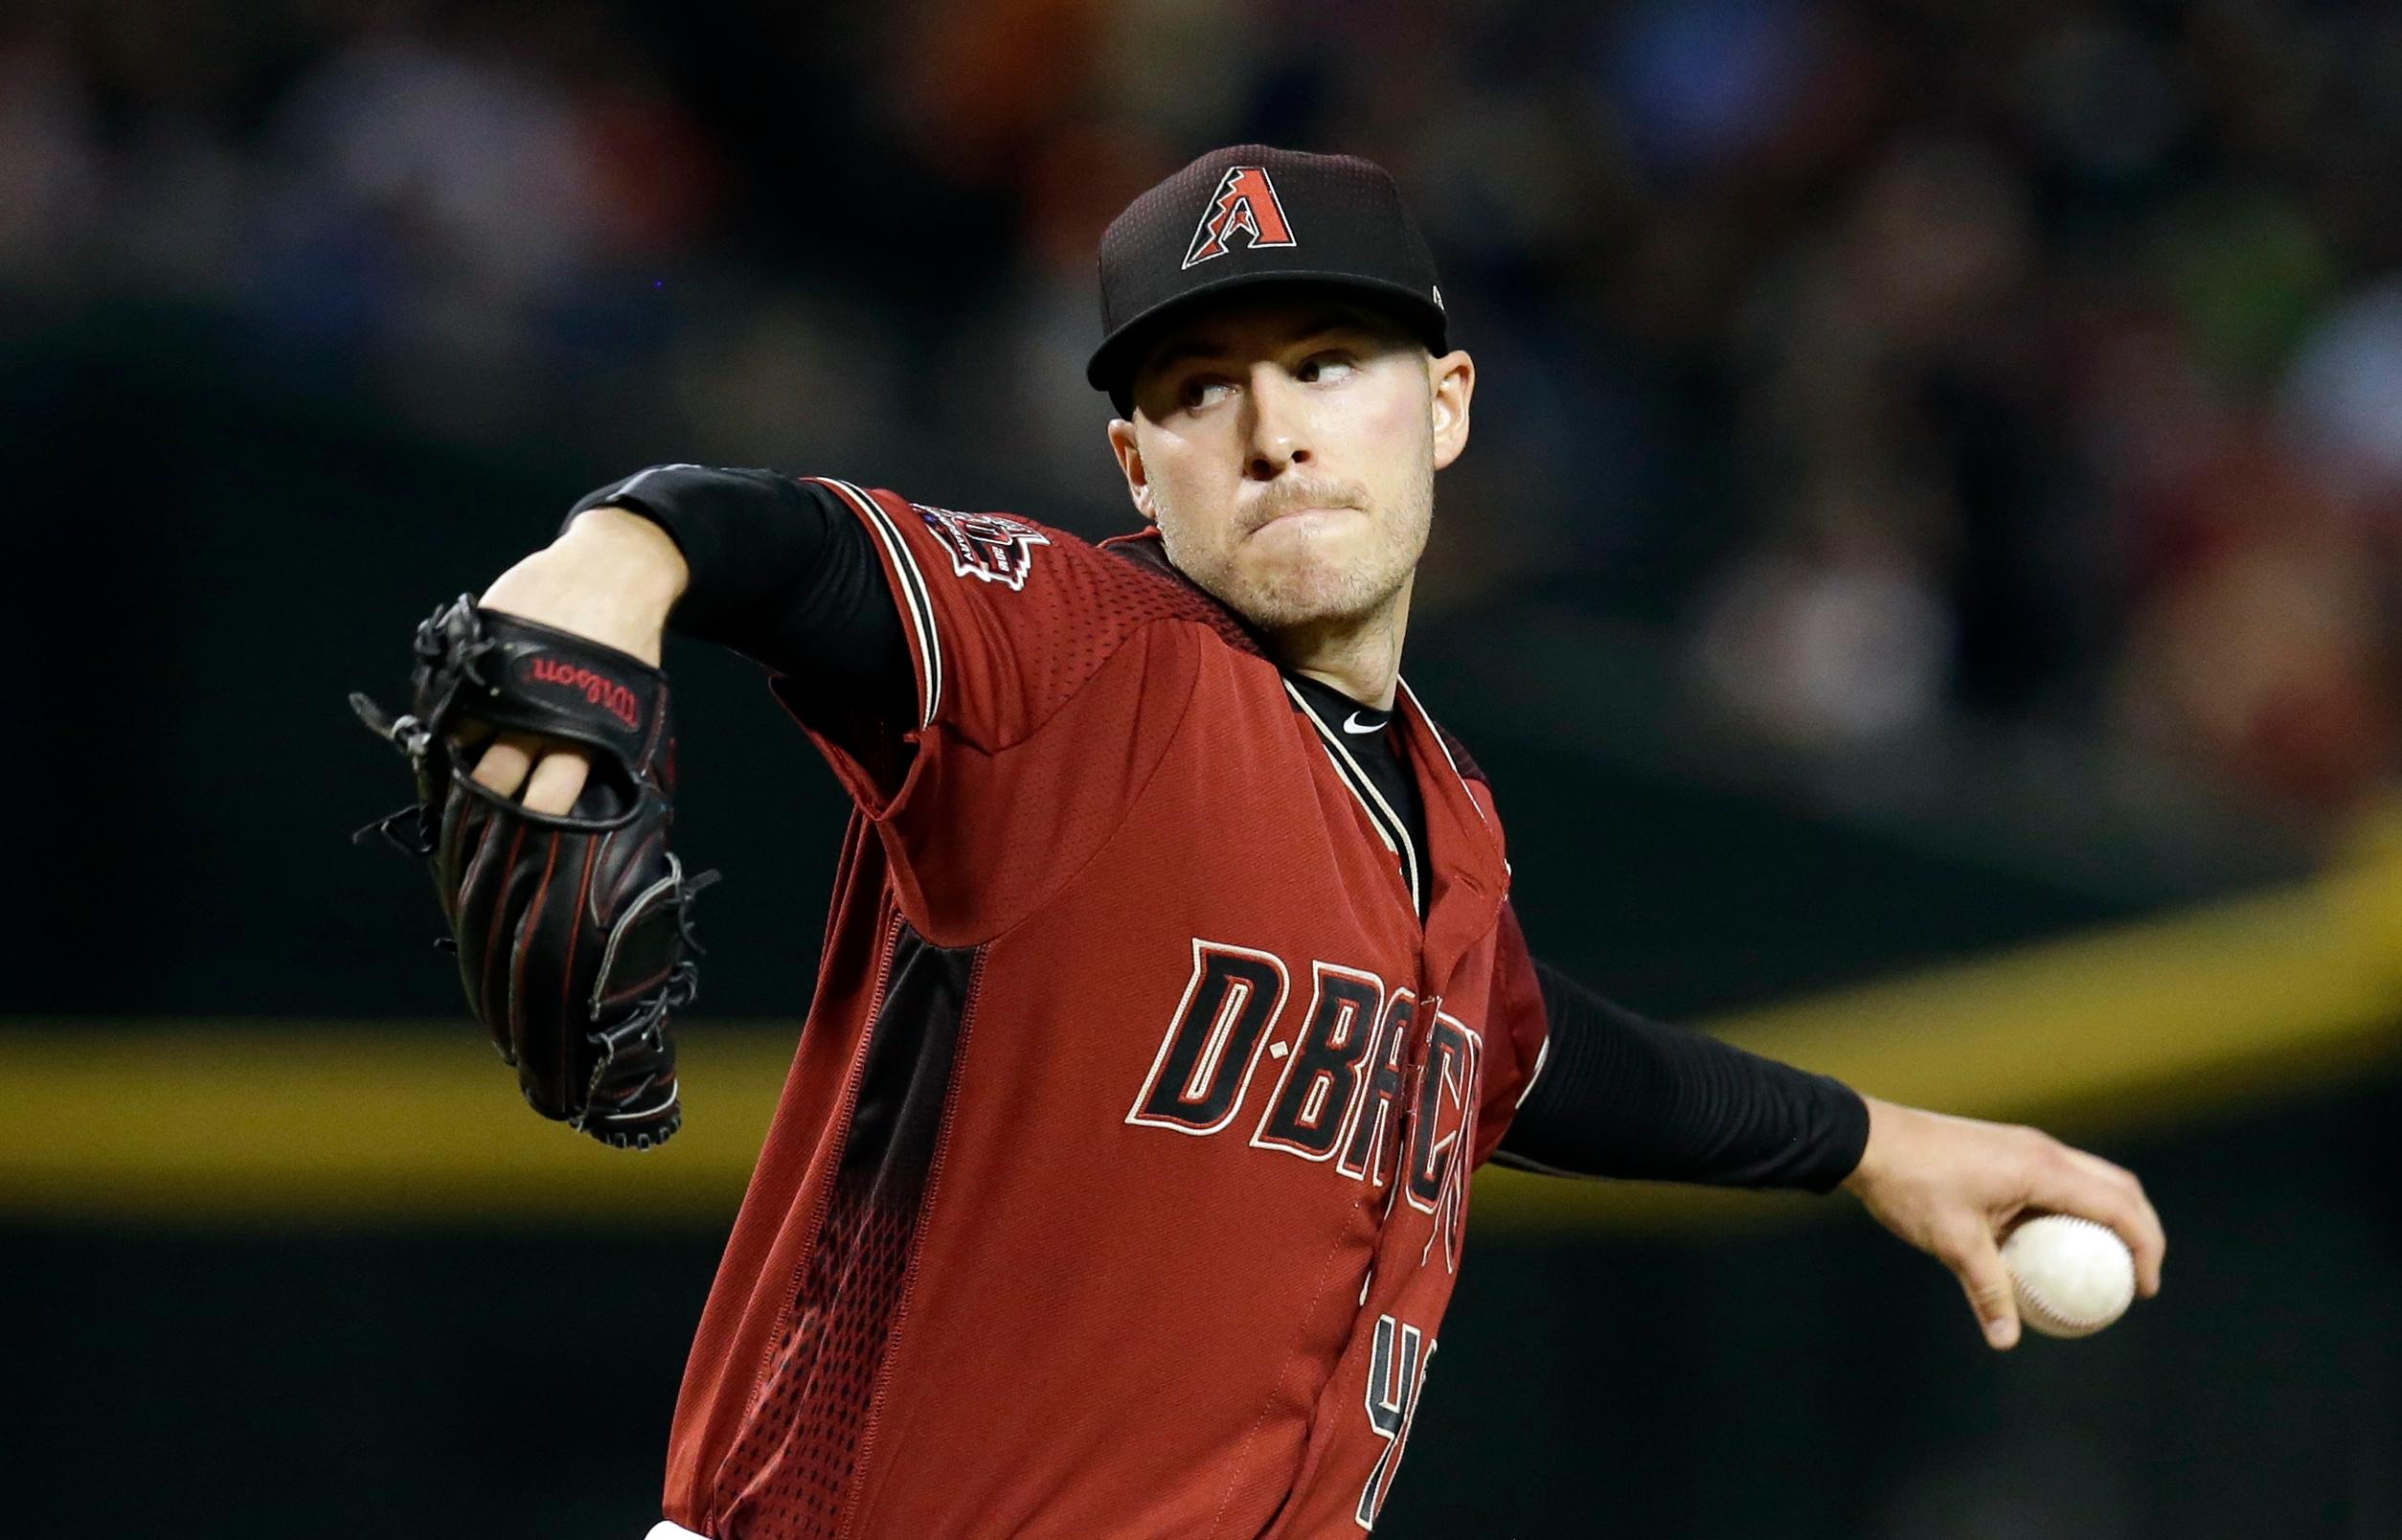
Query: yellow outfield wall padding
<point>2107,1033</point>
<point>207,1122</point>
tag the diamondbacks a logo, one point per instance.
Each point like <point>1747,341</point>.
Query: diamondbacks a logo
<point>990,546</point>
<point>1245,204</point>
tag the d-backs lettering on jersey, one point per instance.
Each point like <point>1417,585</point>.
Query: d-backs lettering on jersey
<point>1340,1085</point>
<point>1119,1184</point>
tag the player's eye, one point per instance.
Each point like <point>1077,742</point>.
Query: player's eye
<point>1201,391</point>
<point>1323,366</point>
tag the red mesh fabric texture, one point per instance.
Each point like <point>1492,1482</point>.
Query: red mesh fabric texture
<point>792,1467</point>
<point>1021,655</point>
<point>796,1457</point>
<point>1009,618</point>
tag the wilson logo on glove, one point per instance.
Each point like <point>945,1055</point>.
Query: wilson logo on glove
<point>598,689</point>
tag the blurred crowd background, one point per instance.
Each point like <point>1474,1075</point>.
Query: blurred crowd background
<point>1897,363</point>
<point>1936,484</point>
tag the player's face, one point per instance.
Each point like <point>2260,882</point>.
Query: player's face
<point>1286,446</point>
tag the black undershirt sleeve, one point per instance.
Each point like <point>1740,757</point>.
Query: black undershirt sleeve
<point>782,574</point>
<point>1622,1096</point>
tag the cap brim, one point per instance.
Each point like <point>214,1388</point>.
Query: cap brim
<point>1113,362</point>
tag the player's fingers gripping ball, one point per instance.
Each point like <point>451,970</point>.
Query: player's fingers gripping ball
<point>2073,1277</point>
<point>572,931</point>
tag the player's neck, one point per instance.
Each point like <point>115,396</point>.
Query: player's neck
<point>1360,656</point>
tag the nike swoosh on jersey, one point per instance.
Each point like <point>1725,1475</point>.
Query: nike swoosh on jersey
<point>1352,724</point>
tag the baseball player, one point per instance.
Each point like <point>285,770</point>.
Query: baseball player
<point>1172,992</point>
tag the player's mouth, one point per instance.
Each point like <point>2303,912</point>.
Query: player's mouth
<point>1306,512</point>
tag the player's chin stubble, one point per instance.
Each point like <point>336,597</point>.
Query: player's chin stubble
<point>1306,581</point>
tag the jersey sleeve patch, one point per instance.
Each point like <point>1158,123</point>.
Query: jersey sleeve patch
<point>988,546</point>
<point>1024,618</point>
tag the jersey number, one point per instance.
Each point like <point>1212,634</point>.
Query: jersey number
<point>1396,1372</point>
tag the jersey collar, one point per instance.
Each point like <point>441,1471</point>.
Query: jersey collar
<point>1463,843</point>
<point>1465,852</point>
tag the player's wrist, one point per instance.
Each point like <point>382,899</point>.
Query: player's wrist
<point>629,553</point>
<point>1877,1151</point>
<point>612,579</point>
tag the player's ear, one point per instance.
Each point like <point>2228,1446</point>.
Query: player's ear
<point>1452,382</point>
<point>1129,452</point>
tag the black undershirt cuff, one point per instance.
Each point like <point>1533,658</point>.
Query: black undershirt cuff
<point>781,572</point>
<point>1622,1096</point>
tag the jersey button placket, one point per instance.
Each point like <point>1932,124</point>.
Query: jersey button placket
<point>1414,1095</point>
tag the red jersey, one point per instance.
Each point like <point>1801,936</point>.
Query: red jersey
<point>1119,1186</point>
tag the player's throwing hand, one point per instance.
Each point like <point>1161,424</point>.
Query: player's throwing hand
<point>1952,1187</point>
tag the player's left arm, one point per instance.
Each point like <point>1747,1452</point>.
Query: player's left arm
<point>1618,1094</point>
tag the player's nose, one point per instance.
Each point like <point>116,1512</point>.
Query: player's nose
<point>1279,425</point>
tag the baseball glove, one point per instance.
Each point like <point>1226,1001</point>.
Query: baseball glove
<point>573,933</point>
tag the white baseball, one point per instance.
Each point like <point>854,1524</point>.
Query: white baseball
<point>2073,1277</point>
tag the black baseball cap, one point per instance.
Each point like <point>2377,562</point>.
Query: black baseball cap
<point>1248,214</point>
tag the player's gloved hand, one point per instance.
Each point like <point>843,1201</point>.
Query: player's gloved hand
<point>1952,1187</point>
<point>570,923</point>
